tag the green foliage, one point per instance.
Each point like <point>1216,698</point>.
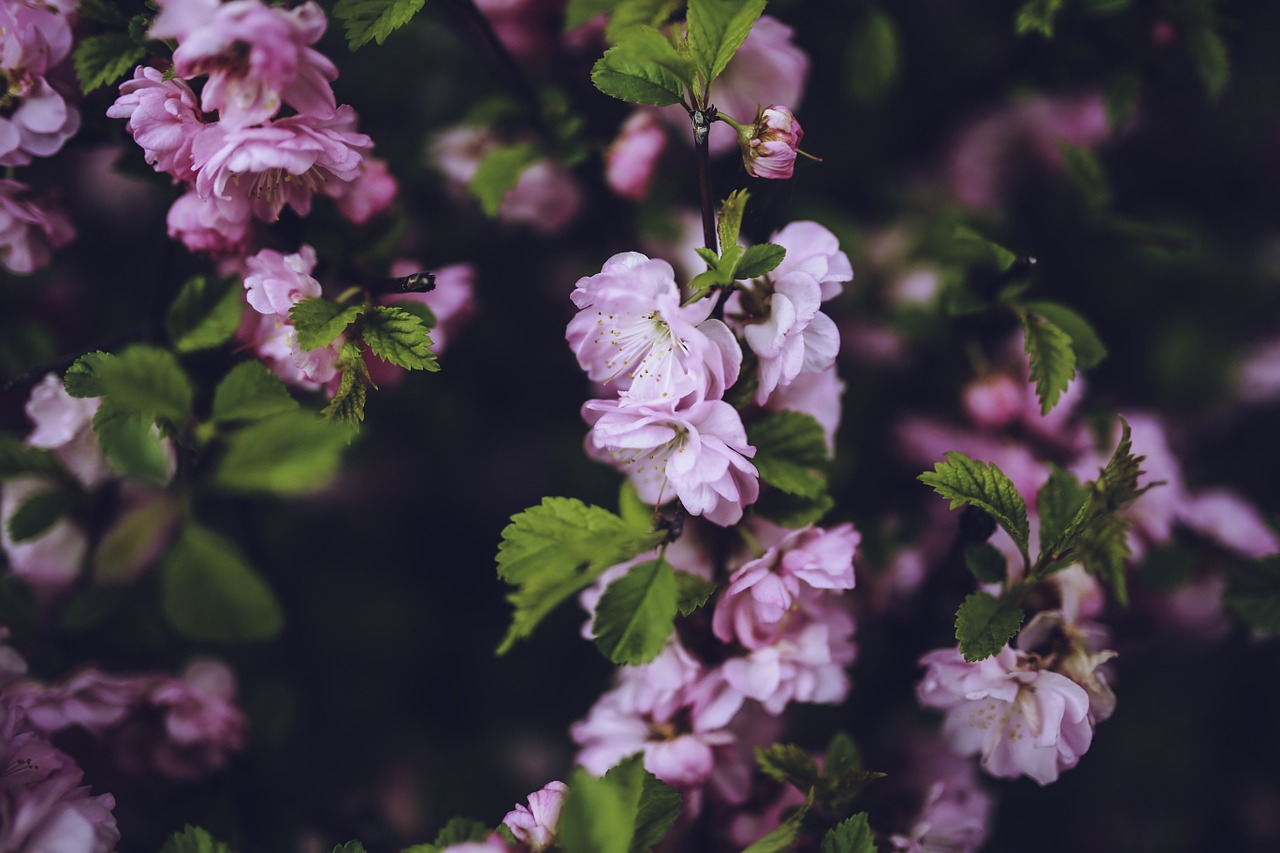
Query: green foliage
<point>1209,52</point>
<point>396,336</point>
<point>965,481</point>
<point>147,381</point>
<point>852,836</point>
<point>105,58</point>
<point>1087,347</point>
<point>317,321</point>
<point>193,839</point>
<point>729,218</point>
<point>629,73</point>
<point>874,58</point>
<point>18,458</point>
<point>637,613</point>
<point>206,313</point>
<point>347,405</point>
<point>832,789</point>
<point>250,392</point>
<point>39,512</point>
<point>210,593</point>
<point>102,11</point>
<point>1037,16</point>
<point>1086,173</point>
<point>985,562</point>
<point>983,248</point>
<point>553,550</point>
<point>1053,361</point>
<point>758,260</point>
<point>131,443</point>
<point>694,592</point>
<point>289,453</point>
<point>984,624</point>
<point>1253,593</point>
<point>578,12</point>
<point>788,764</point>
<point>374,20</point>
<point>500,170</point>
<point>1057,502</point>
<point>349,847</point>
<point>785,835</point>
<point>792,511</point>
<point>1104,551</point>
<point>631,13</point>
<point>627,811</point>
<point>717,29</point>
<point>82,378</point>
<point>791,453</point>
<point>130,542</point>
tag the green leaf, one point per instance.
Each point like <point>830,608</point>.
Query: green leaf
<point>138,29</point>
<point>318,321</point>
<point>193,839</point>
<point>19,458</point>
<point>791,511</point>
<point>644,43</point>
<point>1086,173</point>
<point>852,836</point>
<point>210,593</point>
<point>758,260</point>
<point>1253,593</point>
<point>250,392</point>
<point>965,481</point>
<point>1209,52</point>
<point>499,171</point>
<point>631,13</point>
<point>1103,549</point>
<point>206,313</point>
<point>984,625</point>
<point>694,592</point>
<point>658,806</point>
<point>621,74</point>
<point>425,315</point>
<point>717,29</point>
<point>132,541</point>
<point>82,379</point>
<point>985,562</point>
<point>729,219</point>
<point>578,12</point>
<point>626,811</point>
<point>347,405</point>
<point>553,550</point>
<point>131,443</point>
<point>1085,344</point>
<point>1057,502</point>
<point>785,835</point>
<point>788,764</point>
<point>105,58</point>
<point>396,336</point>
<point>1053,362</point>
<point>102,11</point>
<point>791,453</point>
<point>288,453</point>
<point>874,59</point>
<point>997,254</point>
<point>843,756</point>
<point>39,512</point>
<point>1037,16</point>
<point>349,847</point>
<point>460,830</point>
<point>636,615</point>
<point>635,513</point>
<point>148,381</point>
<point>374,20</point>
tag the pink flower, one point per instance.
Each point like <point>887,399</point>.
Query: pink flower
<point>29,230</point>
<point>815,394</point>
<point>51,561</point>
<point>994,401</point>
<point>699,453</point>
<point>274,282</point>
<point>546,197</point>
<point>33,38</point>
<point>64,424</point>
<point>631,330</point>
<point>813,249</point>
<point>794,337</point>
<point>452,301</point>
<point>535,825</point>
<point>632,157</point>
<point>42,122</point>
<point>1021,720</point>
<point>214,225</point>
<point>274,340</point>
<point>90,699</point>
<point>806,663</point>
<point>770,150</point>
<point>163,118</point>
<point>954,818</point>
<point>369,194</point>
<point>1231,521</point>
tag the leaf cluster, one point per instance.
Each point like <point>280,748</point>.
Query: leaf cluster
<point>628,810</point>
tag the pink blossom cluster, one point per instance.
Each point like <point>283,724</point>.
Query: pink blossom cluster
<point>250,162</point>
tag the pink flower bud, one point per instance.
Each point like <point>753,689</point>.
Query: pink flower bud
<point>770,152</point>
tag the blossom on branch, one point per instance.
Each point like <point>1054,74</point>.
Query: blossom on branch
<point>769,150</point>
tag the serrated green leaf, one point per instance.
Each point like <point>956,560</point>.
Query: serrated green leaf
<point>374,20</point>
<point>1209,52</point>
<point>149,381</point>
<point>843,756</point>
<point>349,847</point>
<point>874,58</point>
<point>599,815</point>
<point>500,170</point>
<point>717,29</point>
<point>131,443</point>
<point>1085,344</point>
<point>985,562</point>
<point>209,592</point>
<point>82,379</point>
<point>1253,593</point>
<point>851,836</point>
<point>347,405</point>
<point>965,481</point>
<point>133,541</point>
<point>105,58</point>
<point>636,615</point>
<point>711,258</point>
<point>18,458</point>
<point>791,511</point>
<point>694,592</point>
<point>644,43</point>
<point>997,254</point>
<point>425,315</point>
<point>317,321</point>
<point>791,453</point>
<point>205,314</point>
<point>1103,549</point>
<point>396,336</point>
<point>1053,361</point>
<point>289,453</point>
<point>1057,502</point>
<point>139,33</point>
<point>638,80</point>
<point>984,625</point>
<point>657,808</point>
<point>788,764</point>
<point>250,392</point>
<point>460,830</point>
<point>193,839</point>
<point>758,260</point>
<point>729,219</point>
<point>37,513</point>
<point>785,835</point>
<point>1037,16</point>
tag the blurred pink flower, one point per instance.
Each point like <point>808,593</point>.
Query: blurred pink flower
<point>632,157</point>
<point>51,561</point>
<point>90,699</point>
<point>535,825</point>
<point>39,126</point>
<point>64,424</point>
<point>955,818</point>
<point>220,227</point>
<point>369,194</point>
<point>29,228</point>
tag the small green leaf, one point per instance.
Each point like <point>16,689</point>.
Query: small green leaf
<point>1053,361</point>
<point>289,453</point>
<point>347,405</point>
<point>1085,343</point>
<point>374,20</point>
<point>852,836</point>
<point>729,219</point>
<point>250,392</point>
<point>694,592</point>
<point>206,313</point>
<point>133,540</point>
<point>499,171</point>
<point>985,562</point>
<point>644,43</point>
<point>396,336</point>
<point>1209,52</point>
<point>460,830</point>
<point>210,593</point>
<point>1057,502</point>
<point>758,260</point>
<point>105,58</point>
<point>318,321</point>
<point>965,481</point>
<point>843,756</point>
<point>37,513</point>
<point>636,615</point>
<point>600,815</point>
<point>131,443</point>
<point>717,29</point>
<point>193,839</point>
<point>1085,171</point>
<point>148,381</point>
<point>1103,549</point>
<point>984,625</point>
<point>788,764</point>
<point>657,808</point>
<point>1253,593</point>
<point>82,379</point>
<point>786,834</point>
<point>791,453</point>
<point>425,315</point>
<point>622,75</point>
<point>791,511</point>
<point>1037,16</point>
<point>997,254</point>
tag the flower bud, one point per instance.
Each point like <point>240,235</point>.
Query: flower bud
<point>770,150</point>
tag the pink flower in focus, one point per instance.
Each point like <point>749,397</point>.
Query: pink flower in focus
<point>698,453</point>
<point>812,249</point>
<point>274,282</point>
<point>770,150</point>
<point>214,225</point>
<point>64,424</point>
<point>795,337</point>
<point>535,825</point>
<point>163,118</point>
<point>368,195</point>
<point>29,230</point>
<point>632,157</point>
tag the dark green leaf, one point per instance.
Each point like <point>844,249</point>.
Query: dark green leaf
<point>788,764</point>
<point>985,624</point>
<point>133,540</point>
<point>349,847</point>
<point>105,58</point>
<point>210,593</point>
<point>206,313</point>
<point>1209,52</point>
<point>37,513</point>
<point>852,836</point>
<point>792,511</point>
<point>460,830</point>
<point>318,321</point>
<point>1085,343</point>
<point>1053,361</point>
<point>965,481</point>
<point>658,806</point>
<point>758,260</point>
<point>499,171</point>
<point>622,75</point>
<point>694,592</point>
<point>148,381</point>
<point>1037,16</point>
<point>1057,502</point>
<point>18,458</point>
<point>636,615</point>
<point>1086,173</point>
<point>599,815</point>
<point>873,58</point>
<point>131,443</point>
<point>374,20</point>
<point>717,29</point>
<point>82,379</point>
<point>193,839</point>
<point>985,562</point>
<point>1103,548</point>
<point>396,336</point>
<point>1253,593</point>
<point>843,756</point>
<point>288,453</point>
<point>102,11</point>
<point>250,392</point>
<point>631,13</point>
<point>994,252</point>
<point>347,405</point>
<point>784,837</point>
<point>791,453</point>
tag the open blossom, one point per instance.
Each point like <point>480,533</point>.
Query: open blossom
<point>29,228</point>
<point>631,159</point>
<point>795,337</point>
<point>953,819</point>
<point>273,282</point>
<point>1021,720</point>
<point>163,118</point>
<point>770,150</point>
<point>218,226</point>
<point>697,454</point>
<point>535,825</point>
<point>632,331</point>
<point>812,249</point>
<point>369,194</point>
<point>40,125</point>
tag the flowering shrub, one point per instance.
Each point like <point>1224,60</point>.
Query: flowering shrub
<point>895,468</point>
